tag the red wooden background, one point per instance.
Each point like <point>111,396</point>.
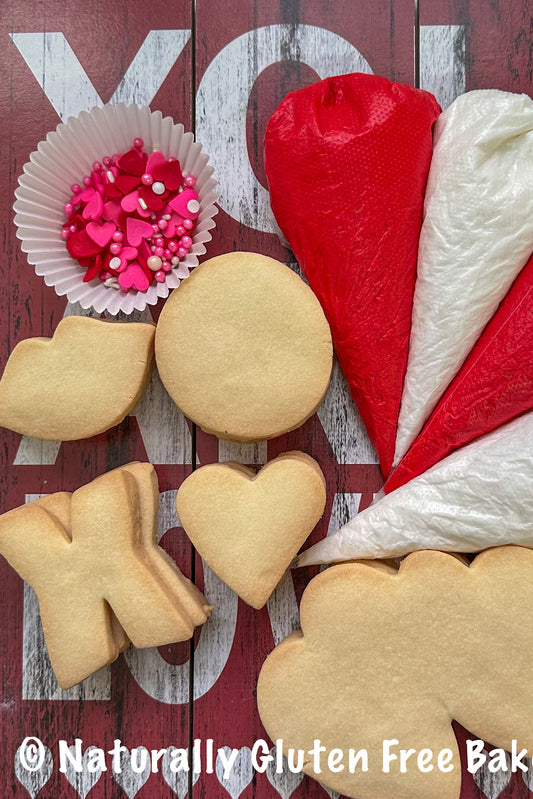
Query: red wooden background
<point>487,45</point>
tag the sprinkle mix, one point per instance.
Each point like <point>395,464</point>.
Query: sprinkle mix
<point>131,222</point>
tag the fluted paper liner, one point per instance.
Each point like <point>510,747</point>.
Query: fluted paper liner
<point>63,158</point>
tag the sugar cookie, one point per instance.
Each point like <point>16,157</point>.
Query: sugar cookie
<point>243,348</point>
<point>247,526</point>
<point>83,381</point>
<point>395,657</point>
<point>100,577</point>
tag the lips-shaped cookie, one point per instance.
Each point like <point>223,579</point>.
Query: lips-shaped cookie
<point>82,381</point>
<point>247,526</point>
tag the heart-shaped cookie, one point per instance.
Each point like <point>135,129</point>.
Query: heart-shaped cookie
<point>247,526</point>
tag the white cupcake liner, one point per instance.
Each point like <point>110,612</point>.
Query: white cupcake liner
<point>64,158</point>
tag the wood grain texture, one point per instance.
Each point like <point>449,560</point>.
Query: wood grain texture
<point>248,54</point>
<point>99,51</point>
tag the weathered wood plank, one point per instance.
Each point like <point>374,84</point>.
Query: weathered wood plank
<point>127,51</point>
<point>264,50</point>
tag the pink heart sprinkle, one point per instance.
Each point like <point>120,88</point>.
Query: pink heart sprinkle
<point>130,202</point>
<point>180,204</point>
<point>155,159</point>
<point>94,208</point>
<point>112,211</point>
<point>101,234</point>
<point>133,277</point>
<point>137,230</point>
<point>129,253</point>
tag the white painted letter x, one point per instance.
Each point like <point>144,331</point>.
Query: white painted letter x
<point>65,83</point>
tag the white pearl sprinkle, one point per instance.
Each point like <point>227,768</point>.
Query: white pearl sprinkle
<point>110,176</point>
<point>174,260</point>
<point>114,263</point>
<point>166,216</point>
<point>193,206</point>
<point>142,204</point>
<point>158,187</point>
<point>154,263</point>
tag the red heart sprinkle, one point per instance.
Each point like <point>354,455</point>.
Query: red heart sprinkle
<point>153,201</point>
<point>111,192</point>
<point>168,173</point>
<point>93,270</point>
<point>127,183</point>
<point>132,162</point>
<point>80,245</point>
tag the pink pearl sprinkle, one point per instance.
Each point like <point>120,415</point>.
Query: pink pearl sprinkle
<point>138,143</point>
<point>118,235</point>
<point>163,224</point>
<point>87,180</point>
<point>160,276</point>
<point>168,254</point>
<point>147,179</point>
<point>115,248</point>
<point>97,166</point>
<point>155,228</point>
<point>171,158</point>
<point>107,161</point>
<point>75,188</point>
<point>182,252</point>
<point>173,245</point>
<point>186,242</point>
<point>188,224</point>
<point>166,266</point>
<point>189,181</point>
<point>159,251</point>
<point>180,230</point>
<point>65,233</point>
<point>160,242</point>
<point>68,209</point>
<point>73,229</point>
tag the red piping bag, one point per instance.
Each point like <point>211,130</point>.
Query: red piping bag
<point>347,161</point>
<point>494,385</point>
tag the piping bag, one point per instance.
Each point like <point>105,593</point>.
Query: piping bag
<point>346,161</point>
<point>476,237</point>
<point>494,385</point>
<point>478,497</point>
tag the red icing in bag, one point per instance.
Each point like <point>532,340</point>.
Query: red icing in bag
<point>347,161</point>
<point>494,385</point>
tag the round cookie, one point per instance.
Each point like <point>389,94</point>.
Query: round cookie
<point>243,348</point>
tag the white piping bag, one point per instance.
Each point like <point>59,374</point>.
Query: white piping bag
<point>480,496</point>
<point>476,236</point>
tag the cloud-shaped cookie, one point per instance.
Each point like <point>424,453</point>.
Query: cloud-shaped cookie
<point>83,381</point>
<point>389,655</point>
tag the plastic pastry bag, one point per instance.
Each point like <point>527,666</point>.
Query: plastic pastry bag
<point>476,237</point>
<point>494,385</point>
<point>478,497</point>
<point>347,161</point>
